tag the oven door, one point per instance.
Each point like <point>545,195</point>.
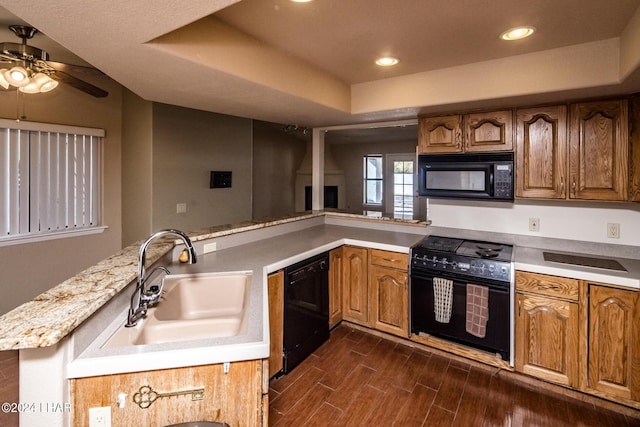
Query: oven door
<point>498,327</point>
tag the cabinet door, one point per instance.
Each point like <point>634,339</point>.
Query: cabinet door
<point>275,284</point>
<point>440,134</point>
<point>389,300</point>
<point>491,131</point>
<point>355,290</point>
<point>335,286</point>
<point>614,341</point>
<point>541,147</point>
<point>234,397</point>
<point>547,338</point>
<point>599,151</point>
<point>634,142</point>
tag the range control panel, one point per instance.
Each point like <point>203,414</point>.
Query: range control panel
<point>474,267</point>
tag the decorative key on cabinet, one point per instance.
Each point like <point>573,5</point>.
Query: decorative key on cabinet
<point>147,395</point>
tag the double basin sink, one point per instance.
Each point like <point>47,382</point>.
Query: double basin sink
<point>194,306</point>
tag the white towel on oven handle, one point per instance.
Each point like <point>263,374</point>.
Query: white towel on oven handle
<point>442,299</point>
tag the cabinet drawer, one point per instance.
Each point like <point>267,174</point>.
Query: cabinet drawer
<point>390,259</point>
<point>543,284</point>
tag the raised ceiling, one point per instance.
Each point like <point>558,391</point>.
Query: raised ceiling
<point>312,63</point>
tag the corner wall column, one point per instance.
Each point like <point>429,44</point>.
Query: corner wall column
<point>317,170</point>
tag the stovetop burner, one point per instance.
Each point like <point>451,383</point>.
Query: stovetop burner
<point>467,257</point>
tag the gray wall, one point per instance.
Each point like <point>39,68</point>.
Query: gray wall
<point>276,158</point>
<point>187,145</point>
<point>137,144</point>
<point>28,269</point>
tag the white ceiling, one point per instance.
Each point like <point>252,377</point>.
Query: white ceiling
<point>312,63</point>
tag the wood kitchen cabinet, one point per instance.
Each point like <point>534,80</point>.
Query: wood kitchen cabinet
<point>238,396</point>
<point>634,142</point>
<point>614,342</point>
<point>477,132</point>
<point>355,286</point>
<point>336,258</point>
<point>388,281</point>
<point>599,150</point>
<point>275,284</point>
<point>541,152</point>
<point>440,134</point>
<point>491,131</point>
<point>547,327</point>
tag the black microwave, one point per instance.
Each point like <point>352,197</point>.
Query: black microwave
<point>481,176</point>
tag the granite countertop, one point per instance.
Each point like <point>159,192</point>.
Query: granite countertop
<point>54,314</point>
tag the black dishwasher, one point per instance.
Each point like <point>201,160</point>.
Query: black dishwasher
<point>306,309</point>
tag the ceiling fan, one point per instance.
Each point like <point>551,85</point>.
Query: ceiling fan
<point>32,72</point>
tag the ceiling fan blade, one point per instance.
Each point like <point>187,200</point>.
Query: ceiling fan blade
<point>79,84</point>
<point>75,69</point>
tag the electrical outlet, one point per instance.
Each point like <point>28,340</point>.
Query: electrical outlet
<point>181,208</point>
<point>100,417</point>
<point>534,224</point>
<point>613,230</point>
<point>210,247</point>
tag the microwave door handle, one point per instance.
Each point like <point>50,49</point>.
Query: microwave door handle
<point>491,180</point>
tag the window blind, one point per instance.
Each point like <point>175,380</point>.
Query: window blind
<point>50,181</point>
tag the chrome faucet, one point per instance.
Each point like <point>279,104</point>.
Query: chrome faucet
<point>142,298</point>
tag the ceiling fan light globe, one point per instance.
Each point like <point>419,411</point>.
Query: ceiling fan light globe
<point>17,76</point>
<point>31,87</point>
<point>48,84</point>
<point>3,82</point>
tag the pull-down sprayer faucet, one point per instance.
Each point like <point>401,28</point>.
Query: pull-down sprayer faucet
<point>141,299</point>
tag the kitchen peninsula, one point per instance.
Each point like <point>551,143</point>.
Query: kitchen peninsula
<point>63,329</point>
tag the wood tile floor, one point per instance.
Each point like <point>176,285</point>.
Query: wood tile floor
<point>358,379</point>
<point>9,374</point>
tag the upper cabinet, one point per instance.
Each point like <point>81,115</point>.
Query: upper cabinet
<point>489,131</point>
<point>599,150</point>
<point>440,134</point>
<point>634,142</point>
<point>581,154</point>
<point>478,132</point>
<point>541,152</point>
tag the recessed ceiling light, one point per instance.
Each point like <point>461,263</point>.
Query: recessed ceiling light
<point>517,33</point>
<point>387,61</point>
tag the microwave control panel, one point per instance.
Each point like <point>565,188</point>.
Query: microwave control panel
<point>503,181</point>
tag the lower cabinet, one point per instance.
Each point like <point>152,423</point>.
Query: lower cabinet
<point>579,334</point>
<point>355,286</point>
<point>238,397</point>
<point>335,286</point>
<point>389,291</point>
<point>547,328</point>
<point>375,289</point>
<point>275,283</point>
<point>614,342</point>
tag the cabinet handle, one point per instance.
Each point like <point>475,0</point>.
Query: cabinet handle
<point>562,185</point>
<point>519,308</point>
<point>549,287</point>
<point>573,185</point>
<point>390,259</point>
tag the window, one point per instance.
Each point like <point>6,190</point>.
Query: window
<point>373,180</point>
<point>49,179</point>
<point>403,189</point>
